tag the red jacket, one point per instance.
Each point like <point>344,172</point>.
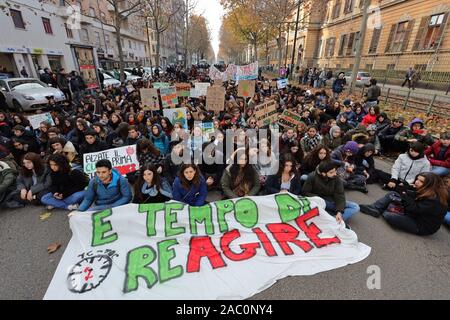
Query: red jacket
<point>369,119</point>
<point>433,151</point>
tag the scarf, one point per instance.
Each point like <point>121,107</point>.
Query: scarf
<point>149,191</point>
<point>311,143</point>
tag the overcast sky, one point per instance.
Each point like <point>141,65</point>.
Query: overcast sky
<point>212,11</point>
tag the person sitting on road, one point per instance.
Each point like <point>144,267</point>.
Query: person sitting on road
<point>286,180</point>
<point>240,177</point>
<point>311,139</point>
<point>7,180</point>
<point>92,143</point>
<point>150,188</point>
<point>407,166</point>
<point>420,211</point>
<point>32,183</point>
<point>190,186</point>
<point>439,155</point>
<point>415,132</point>
<point>324,183</point>
<point>107,190</point>
<point>67,188</point>
<point>388,133</point>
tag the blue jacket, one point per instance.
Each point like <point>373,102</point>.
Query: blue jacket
<point>111,196</point>
<point>195,196</point>
<point>161,142</point>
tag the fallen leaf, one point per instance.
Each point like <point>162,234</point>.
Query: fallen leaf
<point>45,215</point>
<point>53,247</point>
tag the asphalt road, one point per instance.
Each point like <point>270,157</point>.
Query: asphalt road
<point>411,267</point>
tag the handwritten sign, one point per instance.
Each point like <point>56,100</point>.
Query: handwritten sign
<point>202,88</point>
<point>158,85</point>
<point>215,98</point>
<point>169,97</point>
<point>124,159</point>
<point>246,88</point>
<point>289,119</point>
<point>149,98</point>
<point>266,113</point>
<point>177,115</point>
<point>35,120</point>
<point>183,89</point>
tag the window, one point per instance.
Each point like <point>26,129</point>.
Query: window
<point>375,39</point>
<point>107,40</point>
<point>348,6</point>
<point>369,67</point>
<point>390,67</point>
<point>329,50</point>
<point>97,38</point>
<point>129,44</point>
<point>79,5</point>
<point>68,31</point>
<point>102,17</point>
<point>17,18</point>
<point>430,32</point>
<point>91,12</point>
<point>361,4</point>
<point>84,35</point>
<point>153,48</point>
<point>342,45</point>
<point>47,26</point>
<point>135,46</point>
<point>62,3</point>
<point>356,42</point>
<point>399,36</point>
<point>350,43</point>
<point>337,9</point>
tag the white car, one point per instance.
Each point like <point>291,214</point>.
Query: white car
<point>110,81</point>
<point>27,94</point>
<point>362,78</point>
<point>129,76</point>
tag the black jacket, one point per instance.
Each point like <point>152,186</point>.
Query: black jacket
<point>68,183</point>
<point>389,132</point>
<point>97,146</point>
<point>273,184</point>
<point>428,213</point>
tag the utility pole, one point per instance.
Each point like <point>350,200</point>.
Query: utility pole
<point>295,35</point>
<point>362,35</point>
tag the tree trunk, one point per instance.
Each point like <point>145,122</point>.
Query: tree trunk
<point>119,46</point>
<point>158,46</point>
<point>255,47</point>
<point>280,49</point>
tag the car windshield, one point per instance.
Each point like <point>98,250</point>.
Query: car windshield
<point>25,84</point>
<point>107,76</point>
<point>364,74</point>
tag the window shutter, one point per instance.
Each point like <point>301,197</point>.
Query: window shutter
<point>350,44</point>
<point>375,39</point>
<point>408,35</point>
<point>418,43</point>
<point>442,27</point>
<point>391,38</point>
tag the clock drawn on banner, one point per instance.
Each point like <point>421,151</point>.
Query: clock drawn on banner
<point>89,273</point>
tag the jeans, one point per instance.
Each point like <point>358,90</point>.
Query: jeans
<point>447,219</point>
<point>440,171</point>
<point>74,198</point>
<point>351,208</point>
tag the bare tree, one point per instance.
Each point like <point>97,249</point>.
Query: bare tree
<point>189,7</point>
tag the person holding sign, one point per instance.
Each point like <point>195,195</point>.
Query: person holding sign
<point>67,188</point>
<point>190,186</point>
<point>107,190</point>
<point>150,188</point>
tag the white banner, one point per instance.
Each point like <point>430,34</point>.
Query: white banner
<point>229,249</point>
<point>236,73</point>
<point>35,120</point>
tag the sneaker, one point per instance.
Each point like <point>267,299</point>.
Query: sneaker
<point>72,207</point>
<point>50,207</point>
<point>370,210</point>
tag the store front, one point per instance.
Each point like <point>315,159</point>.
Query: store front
<point>7,66</point>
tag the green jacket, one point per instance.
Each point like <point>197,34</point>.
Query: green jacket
<point>227,184</point>
<point>7,178</point>
<point>326,188</point>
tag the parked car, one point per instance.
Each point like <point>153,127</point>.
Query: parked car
<point>110,81</point>
<point>26,94</point>
<point>129,76</point>
<point>362,78</point>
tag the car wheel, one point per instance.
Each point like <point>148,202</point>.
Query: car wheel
<point>17,106</point>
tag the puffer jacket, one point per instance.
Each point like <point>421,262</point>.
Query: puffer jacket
<point>407,169</point>
<point>408,133</point>
<point>114,195</point>
<point>43,182</point>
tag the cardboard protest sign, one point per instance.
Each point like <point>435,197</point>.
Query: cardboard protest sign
<point>207,129</point>
<point>246,88</point>
<point>36,119</point>
<point>169,98</point>
<point>266,113</point>
<point>183,89</point>
<point>202,88</point>
<point>130,88</point>
<point>194,93</point>
<point>289,119</point>
<point>215,98</point>
<point>158,85</point>
<point>281,84</point>
<point>231,248</point>
<point>124,159</point>
<point>149,98</point>
<point>176,115</point>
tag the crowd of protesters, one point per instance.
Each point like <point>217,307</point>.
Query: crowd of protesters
<point>330,151</point>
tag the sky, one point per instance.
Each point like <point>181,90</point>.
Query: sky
<point>212,11</point>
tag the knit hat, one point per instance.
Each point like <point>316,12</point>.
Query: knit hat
<point>368,147</point>
<point>351,146</point>
<point>69,147</point>
<point>347,102</point>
